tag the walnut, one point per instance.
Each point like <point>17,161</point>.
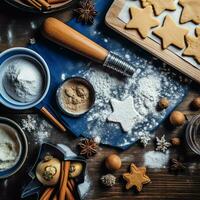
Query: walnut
<point>196,103</point>
<point>163,103</point>
<point>175,141</point>
<point>177,118</point>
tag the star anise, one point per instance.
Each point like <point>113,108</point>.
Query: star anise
<point>177,165</point>
<point>86,12</point>
<point>88,147</point>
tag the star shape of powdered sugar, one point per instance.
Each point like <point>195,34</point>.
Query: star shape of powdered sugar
<point>124,113</point>
<point>162,144</point>
<point>142,20</point>
<point>171,33</point>
<point>191,11</point>
<point>193,45</point>
<point>159,5</point>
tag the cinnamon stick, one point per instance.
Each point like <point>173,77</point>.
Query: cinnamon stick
<point>55,197</point>
<point>64,180</point>
<point>69,185</point>
<point>45,4</point>
<point>73,184</point>
<point>68,194</point>
<point>55,1</point>
<point>47,193</point>
<point>53,119</point>
<point>61,174</point>
<point>35,4</point>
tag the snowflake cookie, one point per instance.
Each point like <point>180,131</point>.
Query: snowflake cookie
<point>144,139</point>
<point>162,144</point>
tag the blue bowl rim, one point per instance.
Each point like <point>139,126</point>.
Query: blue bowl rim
<point>48,77</point>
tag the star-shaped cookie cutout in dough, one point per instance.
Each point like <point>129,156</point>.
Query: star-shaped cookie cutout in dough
<point>191,11</point>
<point>142,19</point>
<point>124,112</point>
<point>159,5</point>
<point>137,177</point>
<point>193,46</point>
<point>171,34</point>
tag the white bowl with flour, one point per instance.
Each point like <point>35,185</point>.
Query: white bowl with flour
<point>24,78</point>
<point>13,147</point>
<point>10,147</point>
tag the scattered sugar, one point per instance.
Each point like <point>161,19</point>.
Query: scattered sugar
<point>153,159</point>
<point>128,57</point>
<point>40,128</point>
<point>32,41</point>
<point>97,139</point>
<point>105,40</point>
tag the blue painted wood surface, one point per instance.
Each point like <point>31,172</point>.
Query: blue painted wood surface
<point>64,63</point>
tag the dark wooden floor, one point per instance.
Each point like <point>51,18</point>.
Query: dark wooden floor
<point>16,28</point>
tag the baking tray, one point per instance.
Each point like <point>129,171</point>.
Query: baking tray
<point>115,23</point>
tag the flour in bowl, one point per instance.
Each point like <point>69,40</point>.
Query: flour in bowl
<point>22,80</point>
<point>9,147</point>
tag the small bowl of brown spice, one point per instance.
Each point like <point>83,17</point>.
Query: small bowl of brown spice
<point>75,96</point>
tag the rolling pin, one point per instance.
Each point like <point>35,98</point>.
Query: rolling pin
<point>64,35</point>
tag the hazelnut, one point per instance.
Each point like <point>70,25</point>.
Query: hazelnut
<point>163,103</point>
<point>113,162</point>
<point>175,141</point>
<point>177,118</point>
<point>196,103</point>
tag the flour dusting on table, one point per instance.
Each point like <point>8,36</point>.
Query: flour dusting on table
<point>153,159</point>
<point>40,128</point>
<point>148,84</point>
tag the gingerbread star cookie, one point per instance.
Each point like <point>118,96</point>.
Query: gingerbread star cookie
<point>159,5</point>
<point>171,34</point>
<point>193,46</point>
<point>142,20</point>
<point>137,177</point>
<point>191,11</point>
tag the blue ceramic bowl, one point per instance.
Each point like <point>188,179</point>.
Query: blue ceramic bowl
<point>23,148</point>
<point>38,61</point>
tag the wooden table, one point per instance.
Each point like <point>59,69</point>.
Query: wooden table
<point>16,29</point>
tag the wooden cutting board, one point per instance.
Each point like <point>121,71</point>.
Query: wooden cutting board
<point>148,44</point>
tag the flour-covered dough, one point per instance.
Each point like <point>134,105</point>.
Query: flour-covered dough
<point>124,112</point>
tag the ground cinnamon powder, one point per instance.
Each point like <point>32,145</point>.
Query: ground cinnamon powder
<point>75,96</point>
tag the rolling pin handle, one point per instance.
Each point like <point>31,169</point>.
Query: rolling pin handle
<point>67,37</point>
